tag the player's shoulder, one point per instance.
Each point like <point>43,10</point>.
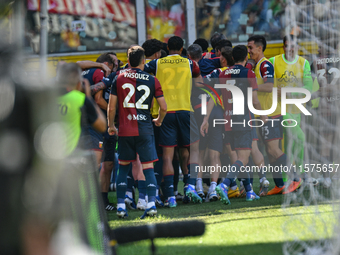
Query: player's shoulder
<point>145,75</point>
<point>266,64</point>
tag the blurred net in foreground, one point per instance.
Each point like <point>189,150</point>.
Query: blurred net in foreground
<point>313,228</point>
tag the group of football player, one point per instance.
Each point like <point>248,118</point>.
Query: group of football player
<point>171,117</point>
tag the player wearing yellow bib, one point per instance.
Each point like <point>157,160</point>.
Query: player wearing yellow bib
<point>292,70</point>
<point>175,74</point>
<point>271,132</point>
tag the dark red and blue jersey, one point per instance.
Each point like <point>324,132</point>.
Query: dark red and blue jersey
<point>243,78</point>
<point>267,71</point>
<point>94,75</point>
<point>212,52</point>
<point>208,65</point>
<point>108,82</point>
<point>135,90</point>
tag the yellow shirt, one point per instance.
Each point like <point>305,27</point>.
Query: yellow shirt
<point>291,74</point>
<point>174,75</point>
<point>265,98</point>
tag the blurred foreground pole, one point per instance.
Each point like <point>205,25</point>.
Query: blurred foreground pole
<point>43,37</point>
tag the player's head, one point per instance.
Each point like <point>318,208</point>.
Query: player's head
<point>220,44</point>
<point>184,53</point>
<point>226,57</point>
<point>256,46</point>
<point>116,61</point>
<point>290,47</point>
<point>240,53</point>
<point>69,76</point>
<point>107,59</point>
<point>165,48</point>
<point>216,38</point>
<point>136,56</point>
<point>175,43</point>
<point>194,52</point>
<point>163,54</point>
<point>152,48</point>
<point>203,43</point>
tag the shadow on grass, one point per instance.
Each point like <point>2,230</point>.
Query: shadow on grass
<point>143,248</point>
<point>238,205</point>
<point>184,211</point>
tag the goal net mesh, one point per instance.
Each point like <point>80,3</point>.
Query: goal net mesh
<point>312,225</point>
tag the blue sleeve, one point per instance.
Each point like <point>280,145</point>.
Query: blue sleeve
<point>114,86</point>
<point>108,81</point>
<point>151,67</point>
<point>267,72</point>
<point>216,62</point>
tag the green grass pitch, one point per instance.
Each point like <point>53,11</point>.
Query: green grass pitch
<point>239,228</point>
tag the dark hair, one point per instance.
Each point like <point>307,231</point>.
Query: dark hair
<point>227,53</point>
<point>163,53</point>
<point>152,46</point>
<point>136,55</point>
<point>165,48</point>
<point>175,43</point>
<point>240,53</point>
<point>69,74</point>
<point>203,43</point>
<point>105,57</point>
<point>216,38</point>
<point>289,38</point>
<point>184,53</point>
<point>112,53</point>
<point>222,43</point>
<point>195,51</point>
<point>259,40</point>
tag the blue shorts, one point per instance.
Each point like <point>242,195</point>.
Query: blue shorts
<point>93,140</point>
<point>272,130</point>
<point>241,140</point>
<point>178,128</point>
<point>144,145</point>
<point>109,146</point>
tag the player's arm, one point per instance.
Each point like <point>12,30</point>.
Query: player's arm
<point>100,101</point>
<point>94,115</point>
<point>161,112</point>
<point>267,74</point>
<point>306,80</point>
<point>97,87</point>
<point>256,101</point>
<point>86,64</point>
<point>112,107</point>
<point>151,67</point>
<point>196,74</point>
<point>198,82</point>
<point>205,124</point>
<point>111,114</point>
<point>85,88</point>
<point>307,77</point>
<point>162,104</point>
